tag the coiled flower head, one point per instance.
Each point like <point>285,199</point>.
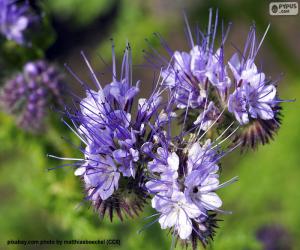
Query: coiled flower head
<point>235,91</point>
<point>254,102</point>
<point>111,122</point>
<point>28,95</point>
<point>183,180</point>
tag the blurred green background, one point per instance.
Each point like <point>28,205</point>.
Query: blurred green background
<point>37,204</point>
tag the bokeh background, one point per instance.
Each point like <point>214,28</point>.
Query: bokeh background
<point>37,204</point>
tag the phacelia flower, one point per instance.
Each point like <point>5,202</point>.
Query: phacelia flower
<point>254,96</point>
<point>168,146</point>
<point>178,76</point>
<point>183,177</point>
<point>254,101</point>
<point>200,80</point>
<point>176,212</point>
<point>29,94</point>
<point>16,18</point>
<point>189,74</point>
<point>111,122</point>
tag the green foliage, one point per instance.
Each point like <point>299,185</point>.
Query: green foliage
<point>134,24</point>
<point>79,12</point>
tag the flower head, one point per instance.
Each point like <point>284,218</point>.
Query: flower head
<point>29,94</point>
<point>184,179</point>
<point>254,101</point>
<point>199,80</point>
<point>189,74</point>
<point>112,124</point>
<point>254,97</point>
<point>176,212</point>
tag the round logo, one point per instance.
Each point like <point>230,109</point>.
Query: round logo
<point>274,9</point>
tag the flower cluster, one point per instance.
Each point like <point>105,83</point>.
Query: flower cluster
<point>16,19</point>
<point>113,135</point>
<point>203,82</point>
<point>184,181</point>
<point>28,94</point>
<point>168,147</point>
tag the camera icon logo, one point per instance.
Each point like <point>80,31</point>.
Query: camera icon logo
<point>283,8</point>
<point>274,9</point>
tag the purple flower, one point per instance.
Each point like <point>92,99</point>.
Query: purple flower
<point>217,74</point>
<point>29,94</point>
<point>15,20</point>
<point>106,123</point>
<point>237,104</point>
<point>245,71</point>
<point>254,101</point>
<point>254,97</point>
<point>113,124</point>
<point>189,74</point>
<point>200,189</point>
<point>206,119</point>
<point>184,80</point>
<point>201,179</point>
<point>179,77</point>
<point>166,164</point>
<point>184,185</point>
<point>100,176</point>
<point>176,212</point>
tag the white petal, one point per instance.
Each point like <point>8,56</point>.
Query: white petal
<point>173,161</point>
<point>155,202</point>
<point>217,55</point>
<point>156,186</point>
<point>243,119</point>
<point>168,220</point>
<point>22,23</point>
<point>267,94</point>
<point>192,210</point>
<point>212,77</point>
<point>205,125</point>
<point>195,150</point>
<point>161,205</point>
<point>161,153</point>
<point>198,120</point>
<point>195,51</point>
<point>264,111</point>
<point>256,80</point>
<point>169,77</point>
<point>79,171</point>
<point>182,60</point>
<point>209,184</point>
<point>184,226</point>
<point>234,65</point>
<point>211,200</point>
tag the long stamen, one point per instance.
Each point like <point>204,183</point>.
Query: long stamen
<point>190,36</point>
<point>65,158</point>
<point>92,71</point>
